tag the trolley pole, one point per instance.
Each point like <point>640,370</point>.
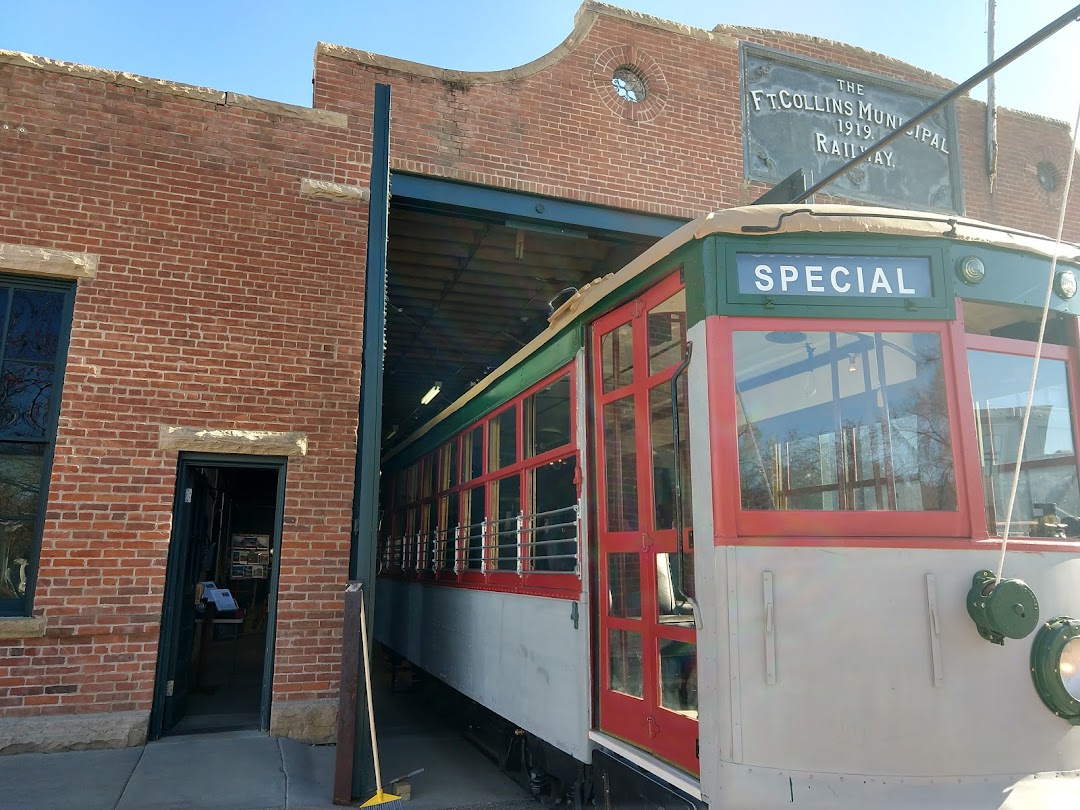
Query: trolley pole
<point>365,508</point>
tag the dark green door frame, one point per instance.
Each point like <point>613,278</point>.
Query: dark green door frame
<point>180,546</point>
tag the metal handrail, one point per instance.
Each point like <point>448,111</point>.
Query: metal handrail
<point>408,552</point>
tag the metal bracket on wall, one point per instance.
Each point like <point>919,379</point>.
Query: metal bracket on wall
<point>770,628</point>
<point>935,630</point>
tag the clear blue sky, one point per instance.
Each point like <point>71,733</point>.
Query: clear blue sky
<point>265,48</point>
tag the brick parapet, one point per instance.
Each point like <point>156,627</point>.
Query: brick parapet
<point>547,130</point>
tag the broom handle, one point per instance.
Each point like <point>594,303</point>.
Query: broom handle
<point>370,706</point>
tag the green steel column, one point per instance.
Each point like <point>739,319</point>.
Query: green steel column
<point>365,515</point>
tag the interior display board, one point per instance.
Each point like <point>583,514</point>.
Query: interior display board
<point>249,556</point>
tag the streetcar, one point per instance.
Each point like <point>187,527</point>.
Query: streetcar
<point>729,532</point>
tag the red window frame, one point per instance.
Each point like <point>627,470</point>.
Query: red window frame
<point>561,584</point>
<point>807,527</point>
<point>1070,354</point>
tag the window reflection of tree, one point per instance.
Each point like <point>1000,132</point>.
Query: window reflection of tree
<point>893,447</point>
<point>31,344</point>
<point>25,390</point>
<point>927,443</point>
<point>1048,474</point>
<point>35,325</point>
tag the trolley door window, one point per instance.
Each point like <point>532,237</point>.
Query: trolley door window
<point>843,421</point>
<point>667,333</point>
<point>617,353</point>
<point>662,438</point>
<point>620,465</point>
<point>625,662</point>
<point>678,676</point>
<point>1048,496</point>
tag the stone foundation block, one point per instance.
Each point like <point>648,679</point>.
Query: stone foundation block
<point>72,732</point>
<point>310,721</point>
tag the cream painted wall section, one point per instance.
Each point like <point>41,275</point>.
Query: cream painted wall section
<point>518,655</point>
<point>855,689</point>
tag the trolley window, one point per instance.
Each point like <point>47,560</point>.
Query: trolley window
<point>843,421</point>
<point>1001,355</point>
<point>1047,496</point>
<point>497,505</point>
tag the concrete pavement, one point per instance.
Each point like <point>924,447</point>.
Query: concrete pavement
<point>247,770</point>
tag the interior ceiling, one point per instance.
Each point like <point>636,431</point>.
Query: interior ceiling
<point>465,292</point>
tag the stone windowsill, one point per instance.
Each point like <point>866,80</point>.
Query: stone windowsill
<point>14,627</point>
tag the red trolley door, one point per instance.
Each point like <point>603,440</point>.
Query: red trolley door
<point>647,669</point>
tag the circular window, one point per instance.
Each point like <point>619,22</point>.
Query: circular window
<point>1048,175</point>
<point>1055,667</point>
<point>629,85</point>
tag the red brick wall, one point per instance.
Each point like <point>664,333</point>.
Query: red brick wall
<point>223,300</point>
<point>552,131</point>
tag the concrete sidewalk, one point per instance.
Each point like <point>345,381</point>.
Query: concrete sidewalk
<point>247,770</point>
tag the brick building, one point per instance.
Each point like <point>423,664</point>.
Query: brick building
<point>186,266</point>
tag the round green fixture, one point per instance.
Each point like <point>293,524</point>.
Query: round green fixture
<point>1000,610</point>
<point>1055,667</point>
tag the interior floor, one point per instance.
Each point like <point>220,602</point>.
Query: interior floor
<point>228,692</point>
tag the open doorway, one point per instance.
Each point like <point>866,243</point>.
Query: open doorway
<point>215,661</point>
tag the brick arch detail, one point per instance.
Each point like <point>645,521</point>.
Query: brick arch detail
<point>656,86</point>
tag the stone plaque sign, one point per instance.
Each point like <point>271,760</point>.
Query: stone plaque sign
<point>803,114</point>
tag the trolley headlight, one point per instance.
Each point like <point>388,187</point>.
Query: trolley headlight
<point>1065,284</point>
<point>1069,667</point>
<point>1055,667</point>
<point>970,270</point>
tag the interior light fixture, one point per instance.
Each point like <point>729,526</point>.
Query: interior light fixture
<point>431,394</point>
<point>542,227</point>
<point>851,362</point>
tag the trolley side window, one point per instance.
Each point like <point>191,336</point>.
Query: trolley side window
<point>1001,355</point>
<point>1047,496</point>
<point>495,506</point>
<point>843,421</point>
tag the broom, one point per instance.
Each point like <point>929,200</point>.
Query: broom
<point>381,796</point>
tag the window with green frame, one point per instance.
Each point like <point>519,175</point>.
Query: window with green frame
<point>35,320</point>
